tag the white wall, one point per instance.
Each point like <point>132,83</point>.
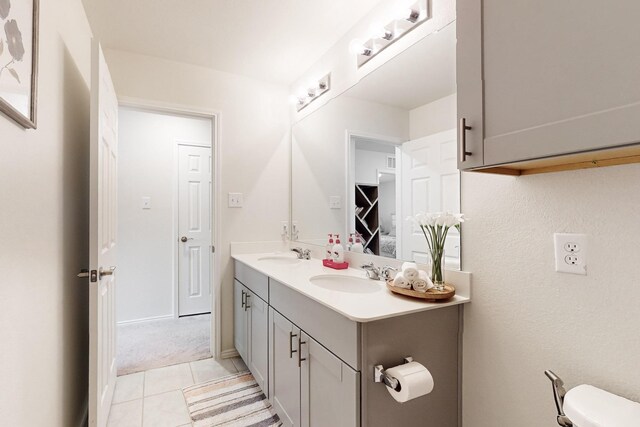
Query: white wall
<point>524,317</point>
<point>387,205</point>
<point>147,167</point>
<point>434,117</point>
<point>44,228</point>
<point>368,163</point>
<point>254,144</point>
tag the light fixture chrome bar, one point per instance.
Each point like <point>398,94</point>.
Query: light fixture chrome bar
<point>312,93</point>
<point>416,14</point>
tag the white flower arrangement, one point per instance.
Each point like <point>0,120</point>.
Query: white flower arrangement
<point>435,227</point>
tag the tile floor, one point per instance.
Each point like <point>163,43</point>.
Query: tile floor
<point>154,398</point>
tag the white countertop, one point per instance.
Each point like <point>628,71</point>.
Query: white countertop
<point>359,307</point>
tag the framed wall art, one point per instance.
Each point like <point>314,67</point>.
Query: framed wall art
<point>19,60</point>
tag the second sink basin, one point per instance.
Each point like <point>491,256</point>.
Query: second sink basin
<point>347,284</point>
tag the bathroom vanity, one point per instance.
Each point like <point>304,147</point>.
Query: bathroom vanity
<point>311,337</point>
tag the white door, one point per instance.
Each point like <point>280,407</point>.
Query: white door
<point>102,239</point>
<point>430,182</point>
<point>194,224</point>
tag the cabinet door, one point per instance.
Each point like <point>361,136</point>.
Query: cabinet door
<point>469,82</point>
<point>560,77</point>
<point>258,332</point>
<point>240,338</point>
<point>330,389</point>
<point>284,373</point>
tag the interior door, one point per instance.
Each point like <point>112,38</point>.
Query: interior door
<point>194,223</point>
<point>430,183</point>
<point>102,238</point>
<point>284,373</point>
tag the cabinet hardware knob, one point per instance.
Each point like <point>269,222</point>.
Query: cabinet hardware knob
<point>463,128</point>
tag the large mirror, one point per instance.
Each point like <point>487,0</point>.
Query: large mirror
<point>380,152</point>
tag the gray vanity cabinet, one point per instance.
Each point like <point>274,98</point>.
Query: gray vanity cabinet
<point>251,332</point>
<point>284,373</point>
<point>240,317</point>
<point>330,389</point>
<point>549,79</point>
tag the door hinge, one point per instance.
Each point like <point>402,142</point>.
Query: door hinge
<point>213,249</point>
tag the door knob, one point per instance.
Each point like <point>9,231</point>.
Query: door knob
<point>184,239</point>
<point>106,272</point>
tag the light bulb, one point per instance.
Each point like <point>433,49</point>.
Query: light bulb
<point>356,47</point>
<point>295,100</point>
<point>378,31</point>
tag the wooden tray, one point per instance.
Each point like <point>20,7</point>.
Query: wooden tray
<point>430,295</point>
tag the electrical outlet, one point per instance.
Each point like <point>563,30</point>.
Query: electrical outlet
<point>146,202</point>
<point>235,200</point>
<point>571,253</point>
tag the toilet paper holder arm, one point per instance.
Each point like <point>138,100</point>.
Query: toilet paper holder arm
<point>558,395</point>
<point>380,376</point>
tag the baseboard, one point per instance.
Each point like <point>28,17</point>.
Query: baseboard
<point>145,319</point>
<point>84,415</point>
<point>228,354</point>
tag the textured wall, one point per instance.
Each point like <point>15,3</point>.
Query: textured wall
<point>524,317</point>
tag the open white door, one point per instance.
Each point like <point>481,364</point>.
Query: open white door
<point>430,183</point>
<point>102,240</point>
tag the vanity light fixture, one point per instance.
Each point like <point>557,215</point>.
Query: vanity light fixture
<point>383,36</point>
<point>312,92</point>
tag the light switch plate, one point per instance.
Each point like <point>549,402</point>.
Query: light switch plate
<point>335,203</point>
<point>235,200</point>
<point>146,202</point>
<point>571,253</point>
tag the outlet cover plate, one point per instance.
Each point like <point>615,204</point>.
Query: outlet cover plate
<point>571,253</point>
<point>235,200</point>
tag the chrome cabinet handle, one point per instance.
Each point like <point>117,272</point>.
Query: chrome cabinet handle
<point>463,128</point>
<point>300,358</point>
<point>291,350</point>
<point>244,302</point>
<point>184,239</point>
<point>106,272</point>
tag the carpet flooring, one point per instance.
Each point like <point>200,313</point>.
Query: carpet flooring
<point>233,401</point>
<point>157,343</point>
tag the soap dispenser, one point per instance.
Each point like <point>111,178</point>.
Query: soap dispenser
<point>329,248</point>
<point>350,242</point>
<point>338,251</point>
<point>357,246</point>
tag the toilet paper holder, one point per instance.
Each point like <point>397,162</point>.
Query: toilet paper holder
<point>558,395</point>
<point>380,376</point>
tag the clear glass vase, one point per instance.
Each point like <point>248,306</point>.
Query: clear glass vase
<point>437,268</point>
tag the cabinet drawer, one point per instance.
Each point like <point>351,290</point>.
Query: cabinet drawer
<point>257,282</point>
<point>334,331</point>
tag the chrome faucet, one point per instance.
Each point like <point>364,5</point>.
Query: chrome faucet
<point>372,271</point>
<point>302,253</point>
<point>375,273</point>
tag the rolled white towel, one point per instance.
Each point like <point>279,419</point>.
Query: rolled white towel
<point>401,282</point>
<point>422,283</point>
<point>425,276</point>
<point>410,271</point>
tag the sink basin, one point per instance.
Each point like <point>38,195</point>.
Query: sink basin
<point>347,284</point>
<point>281,259</point>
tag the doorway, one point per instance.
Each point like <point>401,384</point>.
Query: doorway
<point>166,218</point>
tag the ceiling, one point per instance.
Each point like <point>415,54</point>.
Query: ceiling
<point>271,40</point>
<point>421,74</point>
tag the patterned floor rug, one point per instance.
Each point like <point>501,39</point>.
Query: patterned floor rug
<point>233,401</point>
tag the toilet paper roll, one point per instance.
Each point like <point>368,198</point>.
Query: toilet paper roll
<point>415,381</point>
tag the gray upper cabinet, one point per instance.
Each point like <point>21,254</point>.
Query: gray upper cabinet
<point>327,382</point>
<point>550,79</point>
